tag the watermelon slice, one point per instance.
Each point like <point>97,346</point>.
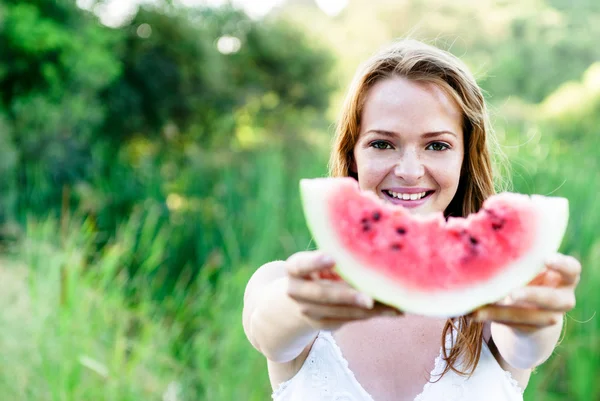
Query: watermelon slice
<point>427,264</point>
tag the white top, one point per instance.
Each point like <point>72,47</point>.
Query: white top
<point>325,376</point>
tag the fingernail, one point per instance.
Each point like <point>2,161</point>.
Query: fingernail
<point>327,260</point>
<point>365,301</point>
<point>552,260</point>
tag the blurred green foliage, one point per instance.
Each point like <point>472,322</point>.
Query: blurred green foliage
<point>114,118</point>
<point>148,170</point>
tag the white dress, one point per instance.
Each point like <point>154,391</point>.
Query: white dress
<point>325,376</point>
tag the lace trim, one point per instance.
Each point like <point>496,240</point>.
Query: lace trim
<point>437,369</point>
<point>338,352</point>
<point>281,388</point>
<point>284,385</point>
<point>513,382</point>
<point>327,336</point>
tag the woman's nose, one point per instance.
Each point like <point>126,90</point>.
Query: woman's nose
<point>410,168</point>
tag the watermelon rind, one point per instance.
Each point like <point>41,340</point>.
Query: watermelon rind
<point>553,219</point>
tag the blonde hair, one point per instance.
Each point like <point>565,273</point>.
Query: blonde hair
<point>418,61</point>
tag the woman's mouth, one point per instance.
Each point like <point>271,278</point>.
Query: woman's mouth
<point>407,198</point>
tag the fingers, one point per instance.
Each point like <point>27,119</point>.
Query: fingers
<point>515,316</point>
<point>328,292</point>
<point>547,298</point>
<point>548,278</point>
<point>344,313</point>
<point>323,297</point>
<point>328,274</point>
<point>524,328</point>
<point>568,267</point>
<point>303,264</point>
<point>542,302</point>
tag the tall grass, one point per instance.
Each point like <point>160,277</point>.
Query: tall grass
<point>68,335</point>
<point>83,325</point>
<point>571,373</point>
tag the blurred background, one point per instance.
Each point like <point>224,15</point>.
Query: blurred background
<point>150,154</point>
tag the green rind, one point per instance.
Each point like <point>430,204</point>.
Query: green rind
<point>553,222</point>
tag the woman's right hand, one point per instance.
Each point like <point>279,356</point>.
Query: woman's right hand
<point>323,298</point>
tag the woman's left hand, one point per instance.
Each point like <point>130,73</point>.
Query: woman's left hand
<point>542,302</point>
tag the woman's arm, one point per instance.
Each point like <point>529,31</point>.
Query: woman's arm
<point>525,349</point>
<point>527,330</point>
<point>272,320</point>
<point>287,303</point>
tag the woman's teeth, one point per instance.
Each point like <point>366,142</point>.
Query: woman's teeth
<point>402,196</point>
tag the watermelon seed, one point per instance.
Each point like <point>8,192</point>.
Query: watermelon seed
<point>376,216</point>
<point>400,230</point>
<point>472,240</point>
<point>498,222</point>
<point>396,247</point>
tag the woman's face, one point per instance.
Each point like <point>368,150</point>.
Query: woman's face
<point>410,148</point>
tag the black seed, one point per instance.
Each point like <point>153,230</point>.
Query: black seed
<point>401,230</point>
<point>497,221</point>
<point>473,240</point>
<point>396,247</point>
<point>376,216</point>
<point>364,220</point>
<point>366,227</point>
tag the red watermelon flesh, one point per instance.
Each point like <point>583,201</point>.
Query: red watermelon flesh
<point>427,264</point>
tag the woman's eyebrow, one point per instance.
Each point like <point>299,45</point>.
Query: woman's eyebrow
<point>438,133</point>
<point>425,135</point>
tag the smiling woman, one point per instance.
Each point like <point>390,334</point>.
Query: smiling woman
<point>413,131</point>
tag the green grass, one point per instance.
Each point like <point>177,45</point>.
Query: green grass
<point>70,333</point>
<point>571,373</point>
<point>69,336</point>
<point>83,325</point>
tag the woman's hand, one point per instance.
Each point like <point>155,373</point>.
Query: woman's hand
<point>542,302</point>
<point>323,298</point>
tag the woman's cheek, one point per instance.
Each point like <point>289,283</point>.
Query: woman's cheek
<point>448,171</point>
<point>368,176</point>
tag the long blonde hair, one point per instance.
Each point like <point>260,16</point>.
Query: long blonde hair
<point>418,61</point>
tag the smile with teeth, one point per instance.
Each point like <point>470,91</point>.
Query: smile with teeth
<point>402,196</point>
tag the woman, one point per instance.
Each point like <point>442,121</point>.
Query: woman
<point>414,122</point>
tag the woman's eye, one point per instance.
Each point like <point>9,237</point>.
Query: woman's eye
<point>381,145</point>
<point>438,146</point>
